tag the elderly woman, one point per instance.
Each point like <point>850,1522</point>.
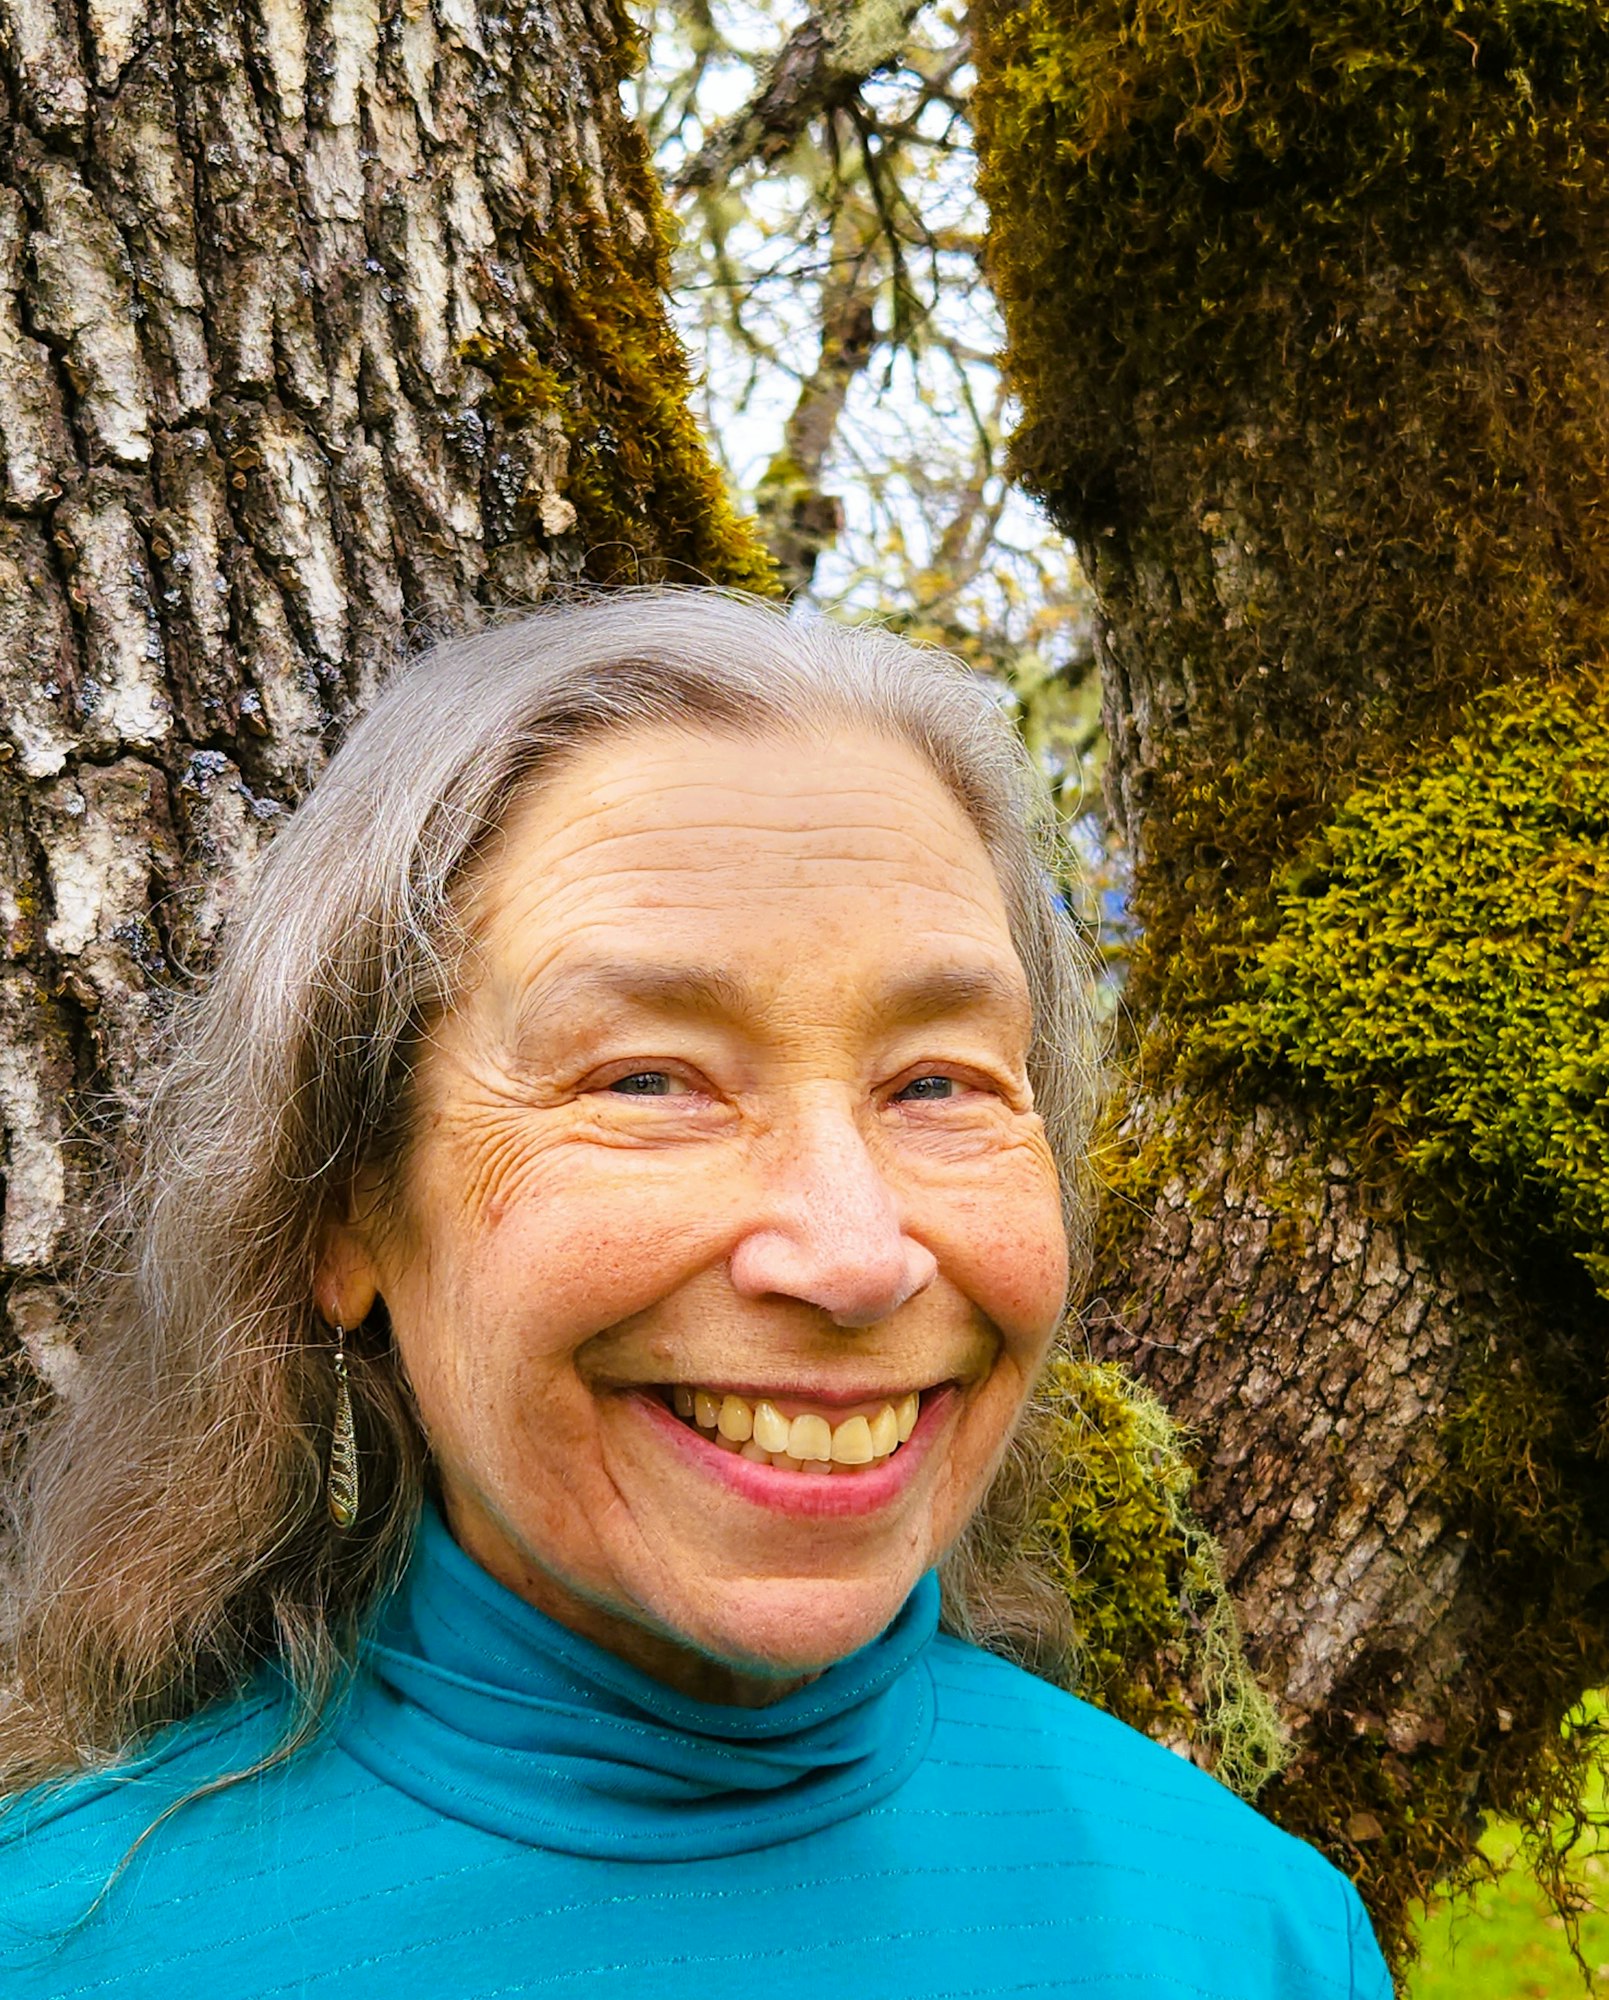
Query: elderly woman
<point>595,1239</point>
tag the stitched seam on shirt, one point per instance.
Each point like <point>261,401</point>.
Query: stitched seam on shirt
<point>747,1955</point>
<point>1185,1795</point>
<point>739,1893</point>
<point>710,1749</point>
<point>849,1878</point>
<point>284,1812</point>
<point>1104,1980</point>
<point>1037,1697</point>
<point>367,1844</point>
<point>118,1780</point>
<point>1258,1852</point>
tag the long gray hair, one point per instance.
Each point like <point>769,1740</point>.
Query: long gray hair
<point>169,1531</point>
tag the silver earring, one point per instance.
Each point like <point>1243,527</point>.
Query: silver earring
<point>341,1486</point>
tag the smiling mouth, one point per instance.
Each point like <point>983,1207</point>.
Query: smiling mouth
<point>756,1429</point>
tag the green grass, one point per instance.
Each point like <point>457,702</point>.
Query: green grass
<point>1503,1942</point>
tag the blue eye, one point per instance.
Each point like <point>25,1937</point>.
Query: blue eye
<point>929,1089</point>
<point>643,1083</point>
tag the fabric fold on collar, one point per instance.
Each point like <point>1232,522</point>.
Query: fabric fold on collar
<point>479,1705</point>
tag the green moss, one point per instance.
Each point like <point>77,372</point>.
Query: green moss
<point>1441,965</point>
<point>1162,153</point>
<point>1304,308</point>
<point>1158,1640</point>
<point>650,503</point>
<point>1219,833</point>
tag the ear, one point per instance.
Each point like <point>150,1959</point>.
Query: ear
<point>346,1281</point>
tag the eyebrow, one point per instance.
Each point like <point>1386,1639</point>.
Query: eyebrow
<point>929,994</point>
<point>939,990</point>
<point>664,989</point>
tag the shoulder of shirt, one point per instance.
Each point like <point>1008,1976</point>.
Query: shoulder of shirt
<point>107,1809</point>
<point>1035,1748</point>
<point>994,1714</point>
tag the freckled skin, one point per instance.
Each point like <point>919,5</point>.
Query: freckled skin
<point>776,1199</point>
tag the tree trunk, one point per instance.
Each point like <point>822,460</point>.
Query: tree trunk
<point>1305,309</point>
<point>320,332</point>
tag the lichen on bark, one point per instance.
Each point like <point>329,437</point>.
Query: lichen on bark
<point>1157,1638</point>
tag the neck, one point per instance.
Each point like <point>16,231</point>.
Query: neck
<point>648,1648</point>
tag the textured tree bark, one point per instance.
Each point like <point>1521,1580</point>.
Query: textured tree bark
<point>246,257</point>
<point>1286,1310</point>
<point>1304,308</point>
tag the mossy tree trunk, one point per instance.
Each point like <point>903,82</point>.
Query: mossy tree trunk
<point>323,328</point>
<point>1306,308</point>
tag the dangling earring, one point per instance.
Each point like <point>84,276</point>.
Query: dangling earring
<point>341,1486</point>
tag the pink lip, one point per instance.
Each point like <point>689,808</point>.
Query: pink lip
<point>811,1495</point>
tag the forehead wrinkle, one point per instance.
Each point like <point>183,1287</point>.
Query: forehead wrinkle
<point>595,805</point>
<point>608,851</point>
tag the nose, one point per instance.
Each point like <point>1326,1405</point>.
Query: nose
<point>830,1231</point>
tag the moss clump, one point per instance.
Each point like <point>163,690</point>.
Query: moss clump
<point>1158,1642</point>
<point>1304,307</point>
<point>1172,184</point>
<point>1441,965</point>
<point>650,503</point>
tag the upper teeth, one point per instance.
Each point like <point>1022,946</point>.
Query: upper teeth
<point>810,1442</point>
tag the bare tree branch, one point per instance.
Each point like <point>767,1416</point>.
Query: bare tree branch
<point>820,67</point>
<point>798,518</point>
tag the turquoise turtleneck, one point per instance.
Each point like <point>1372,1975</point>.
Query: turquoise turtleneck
<point>503,1808</point>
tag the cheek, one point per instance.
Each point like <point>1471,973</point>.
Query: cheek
<point>512,1277</point>
<point>1006,1249</point>
<point>589,1252</point>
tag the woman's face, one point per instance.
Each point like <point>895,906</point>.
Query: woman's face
<point>732,1123</point>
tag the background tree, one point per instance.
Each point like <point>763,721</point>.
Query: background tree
<point>827,278</point>
<point>1306,308</point>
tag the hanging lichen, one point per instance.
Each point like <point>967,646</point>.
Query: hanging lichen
<point>1158,1641</point>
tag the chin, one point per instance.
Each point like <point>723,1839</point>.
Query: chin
<point>784,1627</point>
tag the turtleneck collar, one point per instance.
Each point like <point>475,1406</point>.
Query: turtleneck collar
<point>475,1703</point>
